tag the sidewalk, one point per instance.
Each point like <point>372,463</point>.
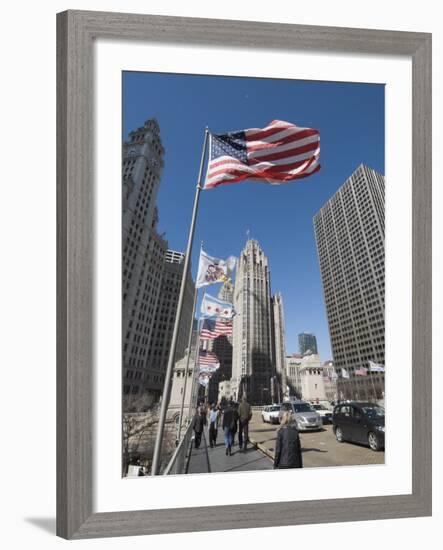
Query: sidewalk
<point>206,460</point>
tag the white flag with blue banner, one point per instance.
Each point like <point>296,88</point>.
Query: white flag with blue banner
<point>375,367</point>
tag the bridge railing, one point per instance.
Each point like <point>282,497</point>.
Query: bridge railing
<point>178,463</point>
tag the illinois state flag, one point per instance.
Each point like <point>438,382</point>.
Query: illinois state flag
<point>213,270</point>
<point>278,153</point>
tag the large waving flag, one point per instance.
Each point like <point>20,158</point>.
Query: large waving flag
<point>278,153</point>
<point>213,307</point>
<point>213,328</point>
<point>213,270</point>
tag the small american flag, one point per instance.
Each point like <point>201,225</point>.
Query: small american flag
<point>361,371</point>
<point>213,328</point>
<point>208,361</point>
<point>279,153</point>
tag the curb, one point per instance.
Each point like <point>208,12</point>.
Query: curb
<point>261,448</point>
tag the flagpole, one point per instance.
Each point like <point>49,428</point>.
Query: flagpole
<point>373,385</point>
<point>166,387</point>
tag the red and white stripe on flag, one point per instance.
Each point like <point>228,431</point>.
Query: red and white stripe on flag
<point>213,328</point>
<point>278,153</point>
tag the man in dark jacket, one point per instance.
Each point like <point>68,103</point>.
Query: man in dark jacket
<point>287,446</point>
<point>228,425</point>
<point>245,415</point>
<point>198,423</point>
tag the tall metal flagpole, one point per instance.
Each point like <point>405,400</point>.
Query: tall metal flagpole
<point>168,375</point>
<point>182,406</point>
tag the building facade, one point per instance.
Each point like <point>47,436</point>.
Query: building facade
<point>281,390</point>
<point>252,360</point>
<point>293,364</point>
<point>307,343</point>
<point>150,272</point>
<point>350,236</point>
<point>305,377</point>
<point>163,326</point>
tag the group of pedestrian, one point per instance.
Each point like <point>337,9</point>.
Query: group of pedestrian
<point>233,418</point>
<point>236,417</point>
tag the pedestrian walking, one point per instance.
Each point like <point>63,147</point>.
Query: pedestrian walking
<point>234,421</point>
<point>245,415</point>
<point>213,426</point>
<point>227,425</point>
<point>198,423</point>
<point>288,447</point>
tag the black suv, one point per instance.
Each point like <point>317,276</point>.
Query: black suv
<point>360,423</point>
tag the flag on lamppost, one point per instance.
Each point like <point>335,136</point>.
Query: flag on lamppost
<point>344,373</point>
<point>362,371</point>
<point>213,270</point>
<point>278,153</point>
<point>376,367</point>
<point>213,307</point>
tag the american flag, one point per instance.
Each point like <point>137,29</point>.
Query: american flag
<point>361,371</point>
<point>208,361</point>
<point>278,153</point>
<point>213,328</point>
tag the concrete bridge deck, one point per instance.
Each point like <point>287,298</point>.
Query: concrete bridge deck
<point>206,459</point>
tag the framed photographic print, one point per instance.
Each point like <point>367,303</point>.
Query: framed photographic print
<point>244,274</point>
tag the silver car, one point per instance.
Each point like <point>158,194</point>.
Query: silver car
<point>305,416</point>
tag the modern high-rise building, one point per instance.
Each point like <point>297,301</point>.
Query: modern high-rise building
<point>307,343</point>
<point>350,236</point>
<point>150,272</point>
<point>252,360</point>
<point>280,389</point>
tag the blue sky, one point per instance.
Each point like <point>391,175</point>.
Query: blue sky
<point>350,118</point>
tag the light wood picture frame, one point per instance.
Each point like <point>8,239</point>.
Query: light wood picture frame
<point>76,32</point>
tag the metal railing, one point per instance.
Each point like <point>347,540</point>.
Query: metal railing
<point>178,462</point>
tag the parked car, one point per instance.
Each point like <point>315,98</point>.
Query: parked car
<point>271,414</point>
<point>359,422</point>
<point>326,414</point>
<point>305,416</point>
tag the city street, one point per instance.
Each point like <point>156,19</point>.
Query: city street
<point>318,448</point>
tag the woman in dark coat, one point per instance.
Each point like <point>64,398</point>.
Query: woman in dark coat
<point>288,447</point>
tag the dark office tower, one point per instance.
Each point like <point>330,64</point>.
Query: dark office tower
<point>307,343</point>
<point>222,347</point>
<point>350,235</point>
